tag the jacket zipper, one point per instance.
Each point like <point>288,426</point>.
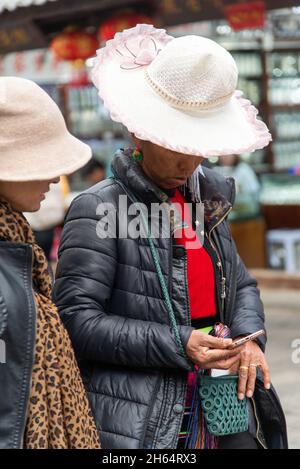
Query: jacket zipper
<point>33,358</point>
<point>258,424</point>
<point>219,263</point>
<point>156,388</point>
<point>182,416</point>
<point>30,385</point>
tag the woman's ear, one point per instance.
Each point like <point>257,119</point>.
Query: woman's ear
<point>137,142</point>
<point>134,139</point>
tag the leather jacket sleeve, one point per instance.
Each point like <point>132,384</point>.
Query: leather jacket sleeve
<point>83,286</point>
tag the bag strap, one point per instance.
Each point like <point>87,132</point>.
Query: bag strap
<point>161,278</point>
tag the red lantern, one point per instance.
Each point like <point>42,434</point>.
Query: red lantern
<point>246,15</point>
<point>74,45</point>
<point>123,20</point>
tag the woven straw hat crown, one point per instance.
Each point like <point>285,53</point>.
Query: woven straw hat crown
<point>193,72</point>
<point>178,93</point>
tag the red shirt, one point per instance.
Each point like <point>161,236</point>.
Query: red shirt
<point>200,270</point>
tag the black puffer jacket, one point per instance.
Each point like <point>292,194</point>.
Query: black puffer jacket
<point>109,297</point>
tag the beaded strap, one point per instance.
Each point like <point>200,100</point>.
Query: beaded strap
<point>164,290</point>
<point>160,275</point>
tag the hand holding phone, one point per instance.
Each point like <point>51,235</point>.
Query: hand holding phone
<point>243,340</point>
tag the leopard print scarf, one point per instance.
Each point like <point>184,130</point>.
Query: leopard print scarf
<point>59,415</point>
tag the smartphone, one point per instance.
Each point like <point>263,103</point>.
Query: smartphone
<point>243,340</point>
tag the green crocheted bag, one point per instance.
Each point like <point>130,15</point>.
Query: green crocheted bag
<point>224,413</point>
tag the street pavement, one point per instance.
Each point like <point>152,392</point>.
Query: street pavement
<point>282,308</point>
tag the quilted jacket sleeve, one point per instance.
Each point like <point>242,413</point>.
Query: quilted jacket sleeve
<point>248,313</point>
<point>84,282</point>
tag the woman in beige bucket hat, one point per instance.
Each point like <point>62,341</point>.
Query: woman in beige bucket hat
<point>43,403</point>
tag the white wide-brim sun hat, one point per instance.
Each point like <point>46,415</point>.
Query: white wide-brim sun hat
<point>179,93</point>
<point>34,141</point>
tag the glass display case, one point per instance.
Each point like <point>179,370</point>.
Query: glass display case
<point>280,199</point>
<point>251,73</point>
<point>86,115</point>
<point>88,120</point>
<point>280,189</point>
<point>283,69</point>
<point>271,80</point>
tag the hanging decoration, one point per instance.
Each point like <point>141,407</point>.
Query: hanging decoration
<point>75,47</point>
<point>123,20</point>
<point>246,15</point>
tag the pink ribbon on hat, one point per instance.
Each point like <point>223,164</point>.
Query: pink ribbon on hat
<point>145,54</point>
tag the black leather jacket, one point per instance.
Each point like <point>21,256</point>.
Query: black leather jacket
<point>110,300</point>
<point>17,333</point>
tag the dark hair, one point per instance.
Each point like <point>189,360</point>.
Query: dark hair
<point>91,166</point>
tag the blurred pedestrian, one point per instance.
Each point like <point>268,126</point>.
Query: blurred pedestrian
<point>247,202</point>
<point>94,172</point>
<point>43,403</point>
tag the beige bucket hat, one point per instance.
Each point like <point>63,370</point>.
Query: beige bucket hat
<point>34,141</point>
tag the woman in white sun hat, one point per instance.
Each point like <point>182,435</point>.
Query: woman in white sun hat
<point>133,302</point>
<point>43,402</point>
